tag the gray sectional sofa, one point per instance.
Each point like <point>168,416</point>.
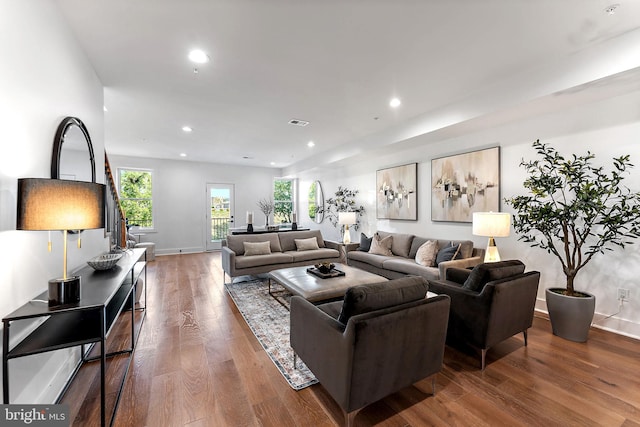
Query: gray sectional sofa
<point>402,261</point>
<point>283,252</point>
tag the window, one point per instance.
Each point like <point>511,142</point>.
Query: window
<point>136,191</point>
<point>283,197</point>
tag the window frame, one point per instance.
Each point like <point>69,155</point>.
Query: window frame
<point>152,198</point>
<point>294,192</point>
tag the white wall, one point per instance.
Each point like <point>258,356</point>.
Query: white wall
<point>180,199</point>
<point>44,77</point>
<point>607,128</point>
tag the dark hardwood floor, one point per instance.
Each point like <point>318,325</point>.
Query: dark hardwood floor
<point>198,364</point>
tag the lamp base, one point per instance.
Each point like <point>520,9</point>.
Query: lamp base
<point>491,254</point>
<point>249,228</point>
<point>64,291</point>
<point>346,239</point>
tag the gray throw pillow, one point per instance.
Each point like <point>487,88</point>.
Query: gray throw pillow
<point>365,298</point>
<point>256,248</point>
<point>306,244</point>
<point>365,243</point>
<point>448,253</point>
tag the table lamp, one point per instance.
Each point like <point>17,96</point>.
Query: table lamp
<point>491,224</point>
<point>346,219</point>
<point>53,204</point>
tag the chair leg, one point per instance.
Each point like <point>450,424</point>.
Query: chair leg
<point>349,418</point>
<point>295,360</point>
<point>433,386</point>
<point>525,337</point>
<point>484,358</point>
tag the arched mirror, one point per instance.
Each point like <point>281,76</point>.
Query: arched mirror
<point>73,157</point>
<point>316,202</point>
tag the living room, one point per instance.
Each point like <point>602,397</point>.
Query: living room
<point>590,108</point>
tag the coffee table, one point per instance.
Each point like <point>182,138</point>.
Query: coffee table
<point>314,289</point>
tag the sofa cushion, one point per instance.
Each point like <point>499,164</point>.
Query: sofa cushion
<point>288,238</point>
<point>409,266</point>
<point>235,241</point>
<point>401,242</point>
<point>259,261</point>
<point>381,246</point>
<point>490,271</point>
<point>369,258</point>
<point>256,248</point>
<point>448,253</point>
<point>318,254</point>
<point>466,247</point>
<point>365,243</point>
<point>426,254</point>
<point>306,244</point>
<point>366,298</point>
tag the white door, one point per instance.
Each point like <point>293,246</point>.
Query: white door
<point>219,213</point>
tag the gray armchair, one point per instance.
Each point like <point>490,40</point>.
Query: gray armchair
<point>380,339</point>
<point>489,304</point>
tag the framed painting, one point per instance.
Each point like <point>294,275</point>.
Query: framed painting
<point>396,192</point>
<point>465,183</point>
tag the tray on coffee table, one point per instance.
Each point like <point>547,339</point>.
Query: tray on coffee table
<point>333,273</point>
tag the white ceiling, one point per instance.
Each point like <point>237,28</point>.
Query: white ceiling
<point>337,63</point>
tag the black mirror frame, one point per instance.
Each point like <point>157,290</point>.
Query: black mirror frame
<point>58,141</point>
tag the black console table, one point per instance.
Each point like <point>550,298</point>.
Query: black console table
<point>104,295</point>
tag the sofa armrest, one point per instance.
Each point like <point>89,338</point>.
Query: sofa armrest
<point>458,263</point>
<point>228,260</point>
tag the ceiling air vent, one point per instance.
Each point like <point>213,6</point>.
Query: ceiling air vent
<point>297,122</point>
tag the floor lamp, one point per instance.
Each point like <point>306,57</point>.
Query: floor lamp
<point>54,204</point>
<point>491,224</point>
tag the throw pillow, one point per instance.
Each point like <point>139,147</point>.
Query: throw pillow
<point>306,244</point>
<point>381,246</point>
<point>365,298</point>
<point>448,253</point>
<point>427,253</point>
<point>488,272</point>
<point>365,243</point>
<point>256,248</point>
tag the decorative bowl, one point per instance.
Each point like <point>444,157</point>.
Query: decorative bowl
<point>325,267</point>
<point>104,261</point>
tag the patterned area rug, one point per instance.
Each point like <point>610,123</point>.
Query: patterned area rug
<point>269,321</point>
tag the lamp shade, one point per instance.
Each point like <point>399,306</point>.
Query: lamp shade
<point>346,218</point>
<point>53,204</point>
<point>491,224</point>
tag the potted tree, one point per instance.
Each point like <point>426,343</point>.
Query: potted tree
<point>574,210</point>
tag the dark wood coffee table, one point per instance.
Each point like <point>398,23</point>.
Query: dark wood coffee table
<point>298,281</point>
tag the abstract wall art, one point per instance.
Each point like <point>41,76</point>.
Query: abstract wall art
<point>465,183</point>
<point>396,192</point>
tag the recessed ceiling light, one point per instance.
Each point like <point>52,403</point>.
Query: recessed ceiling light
<point>183,154</point>
<point>311,144</point>
<point>104,108</point>
<point>187,128</point>
<point>394,103</point>
<point>273,163</point>
<point>198,56</point>
<point>612,9</point>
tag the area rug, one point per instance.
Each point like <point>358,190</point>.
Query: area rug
<point>269,321</point>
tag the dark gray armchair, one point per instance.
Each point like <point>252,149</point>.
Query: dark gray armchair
<point>380,339</point>
<point>489,304</point>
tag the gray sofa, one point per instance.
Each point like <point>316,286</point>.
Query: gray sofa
<point>283,254</point>
<point>402,262</point>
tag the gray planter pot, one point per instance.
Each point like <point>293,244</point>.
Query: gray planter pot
<point>570,317</point>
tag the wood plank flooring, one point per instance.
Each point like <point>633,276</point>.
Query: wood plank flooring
<point>198,364</point>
